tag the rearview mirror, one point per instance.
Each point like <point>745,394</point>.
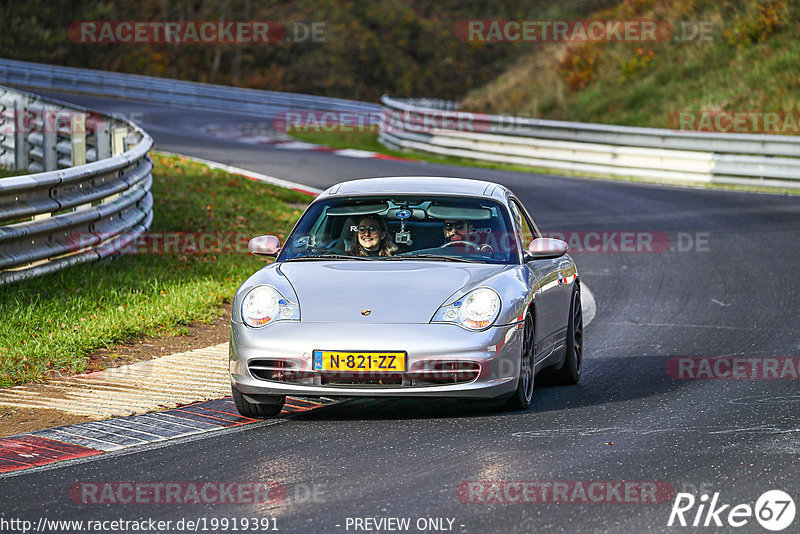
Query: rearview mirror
<point>546,248</point>
<point>264,245</point>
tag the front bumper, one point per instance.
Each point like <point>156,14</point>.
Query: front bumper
<point>496,351</point>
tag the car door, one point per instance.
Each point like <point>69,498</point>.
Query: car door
<point>548,295</point>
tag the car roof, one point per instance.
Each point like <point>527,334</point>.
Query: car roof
<point>417,184</point>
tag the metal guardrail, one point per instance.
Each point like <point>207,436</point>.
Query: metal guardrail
<point>92,194</point>
<point>765,160</point>
<point>742,159</point>
<point>70,211</point>
<point>166,91</point>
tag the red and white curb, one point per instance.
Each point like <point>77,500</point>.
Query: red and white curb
<point>44,447</point>
<point>289,144</point>
<point>274,140</point>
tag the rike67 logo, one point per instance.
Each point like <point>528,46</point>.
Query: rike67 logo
<point>774,510</point>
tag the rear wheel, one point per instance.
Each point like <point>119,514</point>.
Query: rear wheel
<point>521,399</point>
<point>260,410</point>
<point>570,372</point>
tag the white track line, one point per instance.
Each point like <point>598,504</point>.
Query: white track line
<point>250,174</point>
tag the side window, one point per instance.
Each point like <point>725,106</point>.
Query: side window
<point>521,226</point>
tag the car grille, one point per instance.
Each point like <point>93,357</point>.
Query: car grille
<point>422,373</point>
<point>273,369</point>
<point>444,372</point>
<point>357,379</point>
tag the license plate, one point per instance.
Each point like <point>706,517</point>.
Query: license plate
<point>330,360</point>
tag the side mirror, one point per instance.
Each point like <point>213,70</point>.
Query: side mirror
<point>264,245</point>
<point>546,248</point>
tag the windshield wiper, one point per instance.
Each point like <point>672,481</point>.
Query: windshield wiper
<point>312,257</point>
<point>431,257</point>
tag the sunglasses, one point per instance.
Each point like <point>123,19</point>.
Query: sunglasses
<point>456,225</point>
<point>365,229</point>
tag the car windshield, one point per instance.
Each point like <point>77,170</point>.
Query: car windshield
<point>404,227</point>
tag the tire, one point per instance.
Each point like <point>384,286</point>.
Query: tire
<point>570,372</point>
<point>256,411</point>
<point>522,398</point>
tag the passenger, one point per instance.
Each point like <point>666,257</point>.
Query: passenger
<point>373,239</point>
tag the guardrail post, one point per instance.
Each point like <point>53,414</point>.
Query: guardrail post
<point>118,136</point>
<point>118,141</point>
<point>77,130</point>
<point>49,145</point>
<point>6,134</point>
<point>103,140</point>
<point>49,139</point>
<point>21,126</point>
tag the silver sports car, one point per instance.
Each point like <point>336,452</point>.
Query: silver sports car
<point>413,286</point>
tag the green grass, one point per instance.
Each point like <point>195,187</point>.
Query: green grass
<point>50,325</point>
<point>5,173</point>
<point>369,141</point>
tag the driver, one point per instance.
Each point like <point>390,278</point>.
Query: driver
<point>460,233</point>
<point>455,230</point>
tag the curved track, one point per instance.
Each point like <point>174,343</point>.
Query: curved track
<point>628,420</point>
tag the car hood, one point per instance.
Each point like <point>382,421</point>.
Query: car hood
<point>392,291</point>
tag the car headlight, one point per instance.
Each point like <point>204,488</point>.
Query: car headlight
<point>476,310</point>
<point>264,305</point>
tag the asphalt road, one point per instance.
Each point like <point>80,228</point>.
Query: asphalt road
<point>734,294</point>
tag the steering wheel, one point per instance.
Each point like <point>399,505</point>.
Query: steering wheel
<point>483,249</point>
<point>467,243</point>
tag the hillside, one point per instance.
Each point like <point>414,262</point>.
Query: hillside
<point>748,62</point>
<point>337,48</point>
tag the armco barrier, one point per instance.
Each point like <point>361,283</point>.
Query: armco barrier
<point>166,91</point>
<point>742,159</point>
<point>70,211</point>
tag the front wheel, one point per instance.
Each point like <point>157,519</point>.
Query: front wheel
<point>570,372</point>
<point>522,398</point>
<point>257,411</point>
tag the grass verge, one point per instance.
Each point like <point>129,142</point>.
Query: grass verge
<point>369,141</point>
<point>49,325</point>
